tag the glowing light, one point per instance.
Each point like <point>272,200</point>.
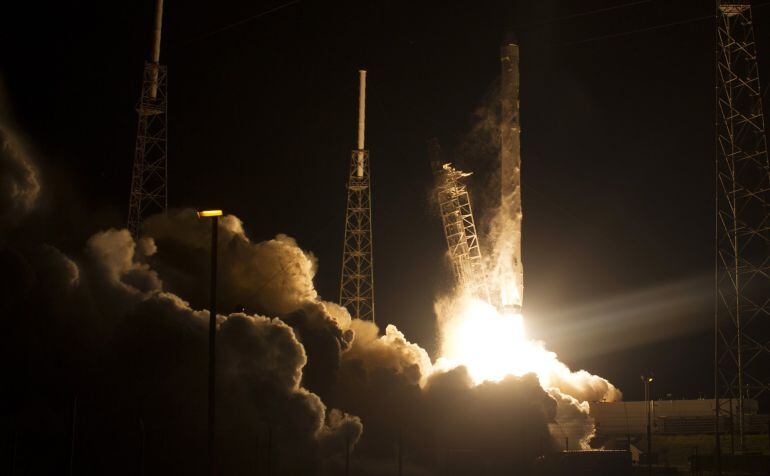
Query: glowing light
<point>491,344</point>
<point>209,213</point>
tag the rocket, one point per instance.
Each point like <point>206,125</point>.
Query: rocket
<point>510,172</point>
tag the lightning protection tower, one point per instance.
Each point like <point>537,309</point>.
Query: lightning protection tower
<point>459,225</point>
<point>742,267</point>
<point>357,279</point>
<point>150,173</point>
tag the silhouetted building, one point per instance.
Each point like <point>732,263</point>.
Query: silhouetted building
<point>580,463</point>
<point>672,417</point>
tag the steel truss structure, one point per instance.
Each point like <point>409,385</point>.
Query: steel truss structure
<point>742,228</point>
<point>459,226</point>
<point>357,279</point>
<point>150,172</point>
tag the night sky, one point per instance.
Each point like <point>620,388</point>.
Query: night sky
<point>617,146</point>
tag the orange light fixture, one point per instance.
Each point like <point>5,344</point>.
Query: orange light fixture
<point>209,213</point>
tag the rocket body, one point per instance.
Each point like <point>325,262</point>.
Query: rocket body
<point>510,175</point>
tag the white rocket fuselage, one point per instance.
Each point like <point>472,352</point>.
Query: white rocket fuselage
<point>510,170</point>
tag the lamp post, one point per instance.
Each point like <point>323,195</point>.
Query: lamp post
<point>647,379</point>
<point>214,215</point>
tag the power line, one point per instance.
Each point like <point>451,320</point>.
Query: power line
<point>243,21</point>
<point>533,25</point>
<point>590,12</point>
<point>641,30</point>
<point>652,28</point>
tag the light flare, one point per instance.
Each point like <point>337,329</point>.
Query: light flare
<point>491,344</point>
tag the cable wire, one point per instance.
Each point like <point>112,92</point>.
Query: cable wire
<point>245,20</point>
<point>652,28</point>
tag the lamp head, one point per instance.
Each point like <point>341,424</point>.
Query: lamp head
<point>209,213</point>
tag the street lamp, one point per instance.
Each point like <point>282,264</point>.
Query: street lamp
<point>214,215</point>
<point>647,379</point>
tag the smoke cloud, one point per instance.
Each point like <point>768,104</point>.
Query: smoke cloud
<point>19,179</point>
<point>132,347</point>
<point>274,277</point>
<point>295,389</point>
<point>387,381</point>
<point>440,419</point>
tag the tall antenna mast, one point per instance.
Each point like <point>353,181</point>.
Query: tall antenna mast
<point>742,271</point>
<point>149,176</point>
<point>357,279</point>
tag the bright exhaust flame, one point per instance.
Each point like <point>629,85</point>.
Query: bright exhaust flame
<point>489,344</point>
<point>492,344</point>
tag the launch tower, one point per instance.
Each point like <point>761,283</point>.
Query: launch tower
<point>149,175</point>
<point>459,225</point>
<point>742,268</point>
<point>357,279</point>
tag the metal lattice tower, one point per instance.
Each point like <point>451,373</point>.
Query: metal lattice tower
<point>459,226</point>
<point>357,278</point>
<point>150,172</point>
<point>742,268</point>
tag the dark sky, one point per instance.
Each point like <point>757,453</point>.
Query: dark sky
<point>617,145</point>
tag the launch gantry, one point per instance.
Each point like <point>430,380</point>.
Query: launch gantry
<point>459,226</point>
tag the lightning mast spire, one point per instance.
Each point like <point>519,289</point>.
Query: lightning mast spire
<point>149,174</point>
<point>357,278</point>
<point>742,271</point>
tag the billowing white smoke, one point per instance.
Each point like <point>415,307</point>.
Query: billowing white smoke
<point>391,350</point>
<point>273,276</point>
<point>387,380</point>
<point>261,360</point>
<point>573,423</point>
